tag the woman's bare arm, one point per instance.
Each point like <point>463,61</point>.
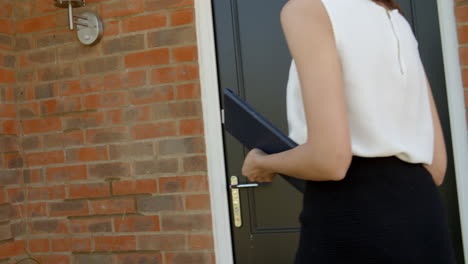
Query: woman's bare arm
<point>439,162</point>
<point>327,153</point>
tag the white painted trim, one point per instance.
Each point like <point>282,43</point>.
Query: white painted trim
<point>456,107</point>
<point>213,132</point>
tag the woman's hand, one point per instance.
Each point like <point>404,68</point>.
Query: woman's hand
<point>252,168</point>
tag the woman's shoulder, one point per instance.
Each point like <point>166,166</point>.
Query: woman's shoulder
<point>312,12</point>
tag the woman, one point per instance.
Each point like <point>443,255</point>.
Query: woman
<point>370,141</point>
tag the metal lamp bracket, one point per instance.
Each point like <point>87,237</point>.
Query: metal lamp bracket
<point>89,24</point>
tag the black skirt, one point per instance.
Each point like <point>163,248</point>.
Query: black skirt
<point>384,211</point>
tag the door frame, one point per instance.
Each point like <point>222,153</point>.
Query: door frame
<point>214,138</point>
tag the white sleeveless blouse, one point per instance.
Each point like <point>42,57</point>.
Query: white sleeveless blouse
<point>388,105</point>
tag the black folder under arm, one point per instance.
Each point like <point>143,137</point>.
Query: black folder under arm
<point>255,131</point>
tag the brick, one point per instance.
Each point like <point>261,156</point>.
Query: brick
<point>5,231</point>
<point>66,174</point>
<point>46,193</point>
<point>18,229</point>
<point>191,127</point>
<point>6,42</point>
<point>13,161</point>
<point>10,127</point>
<point>196,163</point>
<point>88,190</point>
<point>9,177</point>
<point>173,110</point>
<point>7,110</point>
<point>147,58</point>
<point>197,202</point>
<point>92,225</point>
<point>184,54</point>
<point>22,43</point>
<point>162,242</point>
<point>6,10</point>
<point>83,121</point>
<point>156,130</point>
<point>99,101</point>
<point>36,24</point>
<point>61,244</point>
<point>92,259</point>
<point>39,245</point>
<point>42,125</point>
<point>48,226</point>
<point>107,135</point>
<point>155,204</point>
<point>54,38</point>
<point>165,4</point>
<point>178,73</point>
<point>134,187</point>
<point>123,44</point>
<point>188,257</point>
<point>45,158</point>
<point>124,80</point>
<point>23,75</point>
<point>109,170</point>
<point>75,51</point>
<point>145,22</point>
<point>41,56</point>
<point>121,8</point>
<point>182,16</point>
<point>56,259</point>
<point>8,144</point>
<point>16,195</point>
<point>115,243</point>
<point>5,212</point>
<point>100,65</point>
<point>112,27</point>
<point>200,241</point>
<point>152,95</point>
<point>156,166</point>
<point>129,115</point>
<point>75,87</point>
<point>30,210</point>
<point>186,222</point>
<point>461,13</point>
<point>86,154</point>
<point>116,206</point>
<point>6,26</point>
<point>29,110</point>
<point>33,176</point>
<point>181,146</point>
<point>172,36</point>
<point>13,248</point>
<point>68,208</point>
<point>151,258</point>
<point>66,139</point>
<point>31,143</point>
<point>56,72</point>
<point>137,224</point>
<point>132,150</point>
<point>60,106</point>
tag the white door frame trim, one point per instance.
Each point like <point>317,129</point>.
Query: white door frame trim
<point>456,107</point>
<point>213,131</point>
<point>213,134</point>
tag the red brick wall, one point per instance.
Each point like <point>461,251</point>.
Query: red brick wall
<point>112,147</point>
<point>9,130</point>
<point>461,11</point>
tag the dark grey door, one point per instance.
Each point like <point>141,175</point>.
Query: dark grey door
<point>253,60</point>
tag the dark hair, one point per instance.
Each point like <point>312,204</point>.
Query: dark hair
<point>390,4</point>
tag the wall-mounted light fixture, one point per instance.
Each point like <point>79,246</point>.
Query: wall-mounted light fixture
<point>89,26</point>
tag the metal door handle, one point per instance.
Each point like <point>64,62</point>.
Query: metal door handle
<point>246,185</point>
